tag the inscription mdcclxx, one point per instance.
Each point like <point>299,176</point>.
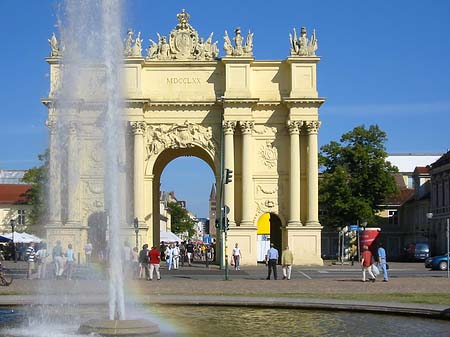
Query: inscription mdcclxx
<point>183,80</point>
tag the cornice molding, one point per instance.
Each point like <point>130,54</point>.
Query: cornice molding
<point>303,102</point>
<point>181,103</point>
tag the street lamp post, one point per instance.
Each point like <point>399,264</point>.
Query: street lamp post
<point>12,222</point>
<point>136,230</point>
<point>430,216</point>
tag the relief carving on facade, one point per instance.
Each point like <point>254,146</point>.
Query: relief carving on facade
<point>176,136</point>
<point>267,189</point>
<point>184,44</point>
<point>264,130</point>
<point>269,154</point>
<point>303,46</point>
<point>93,196</point>
<point>238,49</point>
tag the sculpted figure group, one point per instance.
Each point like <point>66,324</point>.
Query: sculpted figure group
<point>184,43</point>
<point>238,49</point>
<point>303,46</point>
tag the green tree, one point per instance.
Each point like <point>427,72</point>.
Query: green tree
<point>356,178</point>
<point>37,176</point>
<point>180,220</point>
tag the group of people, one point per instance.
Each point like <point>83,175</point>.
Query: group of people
<point>37,260</point>
<point>287,260</point>
<point>373,265</point>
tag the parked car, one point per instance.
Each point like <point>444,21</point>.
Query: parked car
<point>419,251</point>
<point>437,262</point>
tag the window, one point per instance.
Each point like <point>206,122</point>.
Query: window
<point>21,217</point>
<point>393,217</point>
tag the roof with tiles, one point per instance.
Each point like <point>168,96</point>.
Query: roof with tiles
<point>13,193</point>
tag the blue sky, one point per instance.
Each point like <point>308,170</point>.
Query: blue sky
<point>384,62</point>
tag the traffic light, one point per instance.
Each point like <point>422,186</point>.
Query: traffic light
<point>217,223</point>
<point>226,224</point>
<point>228,176</point>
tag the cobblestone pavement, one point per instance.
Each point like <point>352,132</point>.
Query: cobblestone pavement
<point>198,280</point>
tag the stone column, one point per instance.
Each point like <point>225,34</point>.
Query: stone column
<point>312,128</point>
<point>247,181</point>
<point>73,201</point>
<point>54,192</point>
<point>138,129</point>
<point>229,127</point>
<point>294,173</point>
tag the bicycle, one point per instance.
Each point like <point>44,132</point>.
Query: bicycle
<point>5,276</point>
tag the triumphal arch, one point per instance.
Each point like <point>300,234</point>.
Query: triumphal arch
<point>182,98</point>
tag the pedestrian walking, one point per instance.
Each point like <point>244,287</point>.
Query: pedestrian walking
<point>176,256</point>
<point>143,260</point>
<point>41,259</point>
<point>58,260</point>
<point>190,251</point>
<point>30,255</point>
<point>271,261</point>
<point>88,252</point>
<point>154,259</point>
<point>237,255</point>
<point>287,259</point>
<point>382,261</point>
<point>183,253</point>
<point>366,264</point>
<point>135,262</point>
<point>70,261</point>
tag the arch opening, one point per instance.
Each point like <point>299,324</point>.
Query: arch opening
<point>190,174</point>
<point>269,230</point>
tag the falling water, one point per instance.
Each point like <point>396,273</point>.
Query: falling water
<point>90,97</point>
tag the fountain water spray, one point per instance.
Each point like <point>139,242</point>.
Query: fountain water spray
<point>91,68</point>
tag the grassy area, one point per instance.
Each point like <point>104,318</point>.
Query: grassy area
<point>421,298</point>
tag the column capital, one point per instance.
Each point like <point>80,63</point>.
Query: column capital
<point>138,128</point>
<point>246,127</point>
<point>294,127</point>
<point>229,127</point>
<point>312,127</point>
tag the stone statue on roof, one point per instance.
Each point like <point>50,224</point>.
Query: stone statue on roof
<point>54,45</point>
<point>238,49</point>
<point>303,46</point>
<point>183,43</point>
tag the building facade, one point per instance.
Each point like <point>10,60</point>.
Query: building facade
<point>440,203</point>
<point>257,118</point>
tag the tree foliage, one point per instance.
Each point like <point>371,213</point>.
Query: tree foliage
<point>36,196</point>
<point>181,221</point>
<point>356,178</point>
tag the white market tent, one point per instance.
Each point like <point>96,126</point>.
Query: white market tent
<point>23,237</point>
<point>168,237</point>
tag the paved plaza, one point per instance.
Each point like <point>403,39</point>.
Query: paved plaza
<point>200,285</point>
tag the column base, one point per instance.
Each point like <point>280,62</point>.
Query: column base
<point>294,223</point>
<point>246,223</point>
<point>313,223</point>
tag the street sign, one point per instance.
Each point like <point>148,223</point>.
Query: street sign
<point>353,227</point>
